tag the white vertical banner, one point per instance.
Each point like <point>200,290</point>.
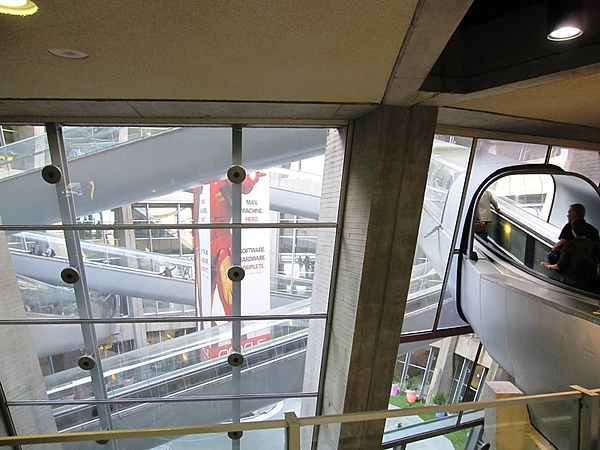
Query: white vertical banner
<point>216,247</point>
<point>256,285</point>
<point>205,259</point>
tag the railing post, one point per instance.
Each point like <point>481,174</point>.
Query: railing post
<point>588,418</point>
<point>292,432</point>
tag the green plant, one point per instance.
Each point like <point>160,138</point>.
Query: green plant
<point>439,399</point>
<point>396,379</point>
<point>458,438</point>
<point>412,384</point>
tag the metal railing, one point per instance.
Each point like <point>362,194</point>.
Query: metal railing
<point>588,421</point>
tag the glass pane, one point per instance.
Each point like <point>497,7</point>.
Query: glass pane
<point>114,176</point>
<point>188,413</point>
<point>272,147</point>
<point>491,155</point>
<point>103,266</point>
<point>448,162</point>
<point>287,171</point>
<point>449,316</point>
<point>511,152</point>
<point>81,141</point>
<point>512,239</point>
<point>445,183</point>
<point>557,421</point>
<point>531,193</point>
<point>585,162</point>
<point>169,363</point>
<point>410,426</point>
<point>24,148</point>
<point>151,272</point>
<point>255,439</point>
<point>297,161</point>
<point>274,276</point>
<point>423,295</point>
<point>27,199</point>
<point>38,259</point>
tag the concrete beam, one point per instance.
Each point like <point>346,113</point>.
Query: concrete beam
<point>433,24</point>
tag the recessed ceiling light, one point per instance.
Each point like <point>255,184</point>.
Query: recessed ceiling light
<point>67,53</point>
<point>18,7</point>
<point>565,33</point>
<point>564,19</point>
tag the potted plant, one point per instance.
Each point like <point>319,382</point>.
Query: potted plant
<point>411,387</point>
<point>440,399</point>
<point>395,385</point>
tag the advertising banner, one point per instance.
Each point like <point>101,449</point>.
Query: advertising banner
<point>215,249</point>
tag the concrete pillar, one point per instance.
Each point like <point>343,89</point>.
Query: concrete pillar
<point>135,306</point>
<point>387,173</point>
<point>505,428</point>
<point>20,372</point>
<point>330,197</point>
<point>441,381</point>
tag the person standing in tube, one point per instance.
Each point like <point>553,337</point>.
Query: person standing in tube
<point>483,214</point>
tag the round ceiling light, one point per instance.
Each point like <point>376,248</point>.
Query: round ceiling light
<point>18,7</point>
<point>564,19</point>
<point>565,33</point>
<point>67,53</point>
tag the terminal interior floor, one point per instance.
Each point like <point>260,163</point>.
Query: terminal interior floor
<point>219,214</point>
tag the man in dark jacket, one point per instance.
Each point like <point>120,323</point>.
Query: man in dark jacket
<point>578,260</point>
<point>576,211</point>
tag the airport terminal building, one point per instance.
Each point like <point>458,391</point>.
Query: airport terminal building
<point>313,214</point>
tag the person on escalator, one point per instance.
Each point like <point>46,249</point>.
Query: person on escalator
<point>575,211</point>
<point>577,265</point>
<point>483,214</point>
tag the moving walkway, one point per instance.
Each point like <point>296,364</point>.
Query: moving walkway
<point>202,156</point>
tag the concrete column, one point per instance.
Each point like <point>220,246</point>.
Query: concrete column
<point>441,381</point>
<point>505,428</point>
<point>387,174</point>
<point>20,372</point>
<point>135,306</point>
<point>330,198</point>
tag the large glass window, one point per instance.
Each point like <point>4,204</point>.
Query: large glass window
<point>166,243</point>
<point>441,206</point>
<point>450,186</point>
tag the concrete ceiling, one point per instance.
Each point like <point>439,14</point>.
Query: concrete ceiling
<point>313,61</point>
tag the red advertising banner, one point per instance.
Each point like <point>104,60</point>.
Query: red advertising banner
<point>223,350</point>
